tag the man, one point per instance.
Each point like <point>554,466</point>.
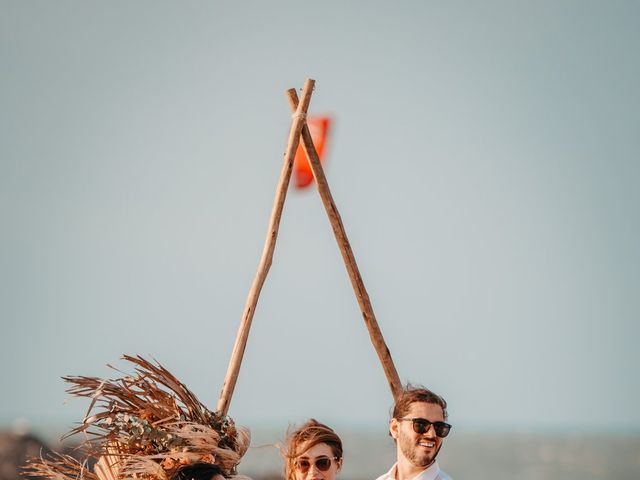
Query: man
<point>418,428</point>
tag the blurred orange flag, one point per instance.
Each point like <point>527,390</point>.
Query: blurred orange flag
<point>302,174</point>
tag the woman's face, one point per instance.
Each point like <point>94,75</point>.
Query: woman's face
<point>309,465</point>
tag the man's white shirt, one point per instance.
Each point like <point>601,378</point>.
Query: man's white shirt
<point>433,472</point>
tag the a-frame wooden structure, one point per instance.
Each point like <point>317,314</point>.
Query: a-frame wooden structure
<point>300,132</point>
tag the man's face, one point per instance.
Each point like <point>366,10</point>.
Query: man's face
<point>419,450</point>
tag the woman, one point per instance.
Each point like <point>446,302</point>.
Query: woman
<point>312,452</point>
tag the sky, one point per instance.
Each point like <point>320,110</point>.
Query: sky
<point>484,160</point>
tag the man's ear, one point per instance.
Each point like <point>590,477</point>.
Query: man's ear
<point>339,465</point>
<point>393,428</point>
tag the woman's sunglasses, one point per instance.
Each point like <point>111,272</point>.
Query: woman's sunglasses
<point>322,463</point>
<point>421,425</point>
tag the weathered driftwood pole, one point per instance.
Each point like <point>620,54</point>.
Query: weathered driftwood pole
<point>299,121</point>
<point>347,254</point>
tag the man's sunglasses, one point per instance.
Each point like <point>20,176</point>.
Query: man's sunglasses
<point>322,463</point>
<point>421,425</point>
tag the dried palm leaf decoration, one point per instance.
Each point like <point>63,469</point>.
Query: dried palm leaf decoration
<point>144,426</point>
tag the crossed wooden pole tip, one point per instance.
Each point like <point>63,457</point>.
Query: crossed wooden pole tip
<point>300,131</point>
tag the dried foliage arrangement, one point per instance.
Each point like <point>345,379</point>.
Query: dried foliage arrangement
<point>144,426</point>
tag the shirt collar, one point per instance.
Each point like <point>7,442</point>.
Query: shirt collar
<point>430,473</point>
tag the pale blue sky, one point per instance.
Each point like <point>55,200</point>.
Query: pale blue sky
<point>484,160</point>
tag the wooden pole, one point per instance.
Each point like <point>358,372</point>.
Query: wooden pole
<point>233,370</point>
<point>347,255</point>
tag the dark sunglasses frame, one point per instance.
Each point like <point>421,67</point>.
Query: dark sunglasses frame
<point>321,463</point>
<point>421,425</point>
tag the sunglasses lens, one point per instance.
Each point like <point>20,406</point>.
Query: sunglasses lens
<point>420,426</point>
<point>323,464</point>
<point>442,429</point>
<point>303,465</point>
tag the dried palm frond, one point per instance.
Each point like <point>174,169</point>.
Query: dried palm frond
<point>146,425</point>
<point>58,466</point>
